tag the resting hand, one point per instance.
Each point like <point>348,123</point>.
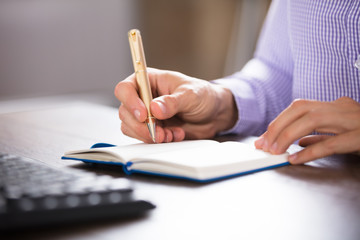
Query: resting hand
<point>188,108</point>
<point>302,117</point>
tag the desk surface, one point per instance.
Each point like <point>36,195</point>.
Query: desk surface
<point>319,200</point>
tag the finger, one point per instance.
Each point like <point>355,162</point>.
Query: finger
<point>128,118</point>
<point>126,93</point>
<point>177,133</point>
<point>129,132</point>
<point>160,135</point>
<point>164,82</point>
<point>344,143</point>
<point>128,84</point>
<point>184,99</point>
<point>137,129</point>
<point>185,130</point>
<point>259,142</point>
<point>164,107</point>
<point>306,124</point>
<point>129,124</point>
<point>296,109</point>
<point>168,135</point>
<point>312,139</point>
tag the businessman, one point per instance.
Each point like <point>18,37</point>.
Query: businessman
<point>302,83</point>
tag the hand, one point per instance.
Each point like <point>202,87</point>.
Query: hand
<point>302,117</point>
<point>188,108</point>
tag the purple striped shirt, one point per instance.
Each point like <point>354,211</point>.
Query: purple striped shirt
<point>307,49</point>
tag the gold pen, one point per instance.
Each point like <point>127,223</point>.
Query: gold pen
<point>142,79</point>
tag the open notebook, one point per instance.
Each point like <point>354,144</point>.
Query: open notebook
<point>197,160</point>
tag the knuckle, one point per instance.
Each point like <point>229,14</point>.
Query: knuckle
<point>191,99</point>
<point>190,93</point>
<point>119,89</point>
<point>122,112</point>
<point>314,117</point>
<point>116,89</point>
<point>331,145</point>
<point>125,87</point>
<point>286,134</point>
<point>349,103</point>
<point>272,127</point>
<point>299,103</point>
<point>166,75</point>
<point>124,129</point>
<point>311,152</point>
<point>172,101</point>
<point>345,99</point>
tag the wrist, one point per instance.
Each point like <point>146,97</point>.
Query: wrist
<point>227,113</point>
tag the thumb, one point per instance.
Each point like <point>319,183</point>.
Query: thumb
<point>167,106</point>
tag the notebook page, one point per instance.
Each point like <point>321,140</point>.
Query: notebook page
<point>210,156</point>
<point>137,151</point>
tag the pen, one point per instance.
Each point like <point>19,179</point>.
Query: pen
<point>142,79</point>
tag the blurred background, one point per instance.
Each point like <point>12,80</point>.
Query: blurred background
<point>78,49</point>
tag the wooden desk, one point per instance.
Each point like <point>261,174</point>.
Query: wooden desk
<point>320,200</point>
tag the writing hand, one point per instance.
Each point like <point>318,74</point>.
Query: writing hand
<point>188,108</point>
<point>302,117</point>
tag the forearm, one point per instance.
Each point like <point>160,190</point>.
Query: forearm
<point>260,92</point>
<point>263,88</point>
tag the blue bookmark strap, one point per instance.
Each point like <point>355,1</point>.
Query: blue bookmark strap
<point>101,145</point>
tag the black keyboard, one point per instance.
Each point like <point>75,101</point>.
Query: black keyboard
<point>33,194</point>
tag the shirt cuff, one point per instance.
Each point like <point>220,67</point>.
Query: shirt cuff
<point>249,120</point>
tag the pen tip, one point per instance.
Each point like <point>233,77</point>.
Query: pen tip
<point>151,127</point>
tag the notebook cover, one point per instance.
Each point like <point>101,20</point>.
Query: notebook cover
<point>130,171</point>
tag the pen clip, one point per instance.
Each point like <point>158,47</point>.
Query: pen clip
<point>137,49</point>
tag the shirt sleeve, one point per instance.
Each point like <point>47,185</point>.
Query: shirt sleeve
<point>263,88</point>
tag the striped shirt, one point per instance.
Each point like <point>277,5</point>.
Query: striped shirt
<point>307,49</point>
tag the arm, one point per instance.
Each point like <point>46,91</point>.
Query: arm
<point>191,109</point>
<point>263,88</point>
